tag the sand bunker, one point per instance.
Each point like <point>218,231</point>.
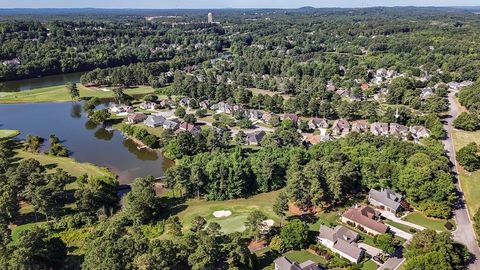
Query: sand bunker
<point>222,213</point>
<point>268,222</point>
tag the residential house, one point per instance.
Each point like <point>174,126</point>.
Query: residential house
<point>465,84</point>
<point>364,86</point>
<point>204,104</point>
<point>253,115</point>
<point>12,63</point>
<point>398,130</point>
<point>381,95</point>
<point>293,117</point>
<point>360,126</point>
<point>385,199</point>
<point>283,263</point>
<point>171,124</point>
<point>223,107</point>
<point>454,85</point>
<point>378,129</point>
<point>267,116</point>
<point>343,92</point>
<point>148,105</point>
<point>256,137</point>
<point>320,123</point>
<point>167,104</point>
<point>426,93</point>
<point>154,121</point>
<point>312,139</point>
<point>184,102</point>
<point>340,127</point>
<point>187,127</point>
<point>367,218</point>
<point>331,87</point>
<point>341,240</point>
<point>419,132</point>
<point>119,109</point>
<point>134,118</point>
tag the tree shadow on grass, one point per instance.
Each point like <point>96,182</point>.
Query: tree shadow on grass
<point>267,259</point>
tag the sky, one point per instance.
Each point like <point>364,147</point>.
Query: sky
<point>197,4</point>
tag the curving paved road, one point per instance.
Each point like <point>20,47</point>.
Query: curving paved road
<point>464,233</point>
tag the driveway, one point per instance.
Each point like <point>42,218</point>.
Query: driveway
<point>400,233</point>
<point>464,233</point>
<point>392,217</point>
<point>370,250</point>
<point>394,261</point>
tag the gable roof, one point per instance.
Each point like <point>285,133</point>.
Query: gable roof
<point>155,119</point>
<point>365,216</point>
<point>386,197</point>
<point>256,137</point>
<point>343,240</point>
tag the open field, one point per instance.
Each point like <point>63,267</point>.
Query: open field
<point>61,94</point>
<point>240,209</point>
<point>470,182</point>
<point>256,91</point>
<point>68,164</point>
<point>429,223</point>
<point>8,133</point>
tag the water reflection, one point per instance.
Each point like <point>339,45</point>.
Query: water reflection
<point>88,141</point>
<point>142,154</point>
<point>76,111</point>
<point>47,81</point>
<point>103,134</point>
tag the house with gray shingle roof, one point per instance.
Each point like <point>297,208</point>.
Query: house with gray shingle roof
<point>283,263</point>
<point>154,121</point>
<point>378,129</point>
<point>341,241</point>
<point>386,199</point>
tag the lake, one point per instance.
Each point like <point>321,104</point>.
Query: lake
<point>47,81</point>
<point>87,142</point>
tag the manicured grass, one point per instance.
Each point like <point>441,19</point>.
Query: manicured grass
<point>240,209</point>
<point>470,182</point>
<point>232,224</point>
<point>429,223</point>
<point>8,133</point>
<point>329,219</point>
<point>301,256</point>
<point>18,229</point>
<point>402,227</point>
<point>369,265</point>
<point>68,164</point>
<point>257,91</point>
<point>61,94</point>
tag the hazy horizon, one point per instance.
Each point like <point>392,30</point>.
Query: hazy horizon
<point>222,4</point>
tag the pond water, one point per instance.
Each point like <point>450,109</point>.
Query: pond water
<point>86,141</point>
<point>47,81</point>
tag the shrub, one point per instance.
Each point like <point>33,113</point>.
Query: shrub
<point>448,225</point>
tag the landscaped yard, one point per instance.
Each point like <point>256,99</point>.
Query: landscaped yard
<point>402,227</point>
<point>429,223</point>
<point>8,133</point>
<point>240,209</point>
<point>18,229</point>
<point>61,93</point>
<point>68,164</point>
<point>470,182</point>
<point>369,265</point>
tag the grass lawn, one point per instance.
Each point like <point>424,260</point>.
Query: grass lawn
<point>369,265</point>
<point>402,227</point>
<point>470,182</point>
<point>68,164</point>
<point>61,93</point>
<point>429,223</point>
<point>240,209</point>
<point>257,91</point>
<point>8,133</point>
<point>18,229</point>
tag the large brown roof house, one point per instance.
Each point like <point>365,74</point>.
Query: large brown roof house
<point>367,218</point>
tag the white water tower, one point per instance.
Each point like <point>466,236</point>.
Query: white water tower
<point>210,17</point>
